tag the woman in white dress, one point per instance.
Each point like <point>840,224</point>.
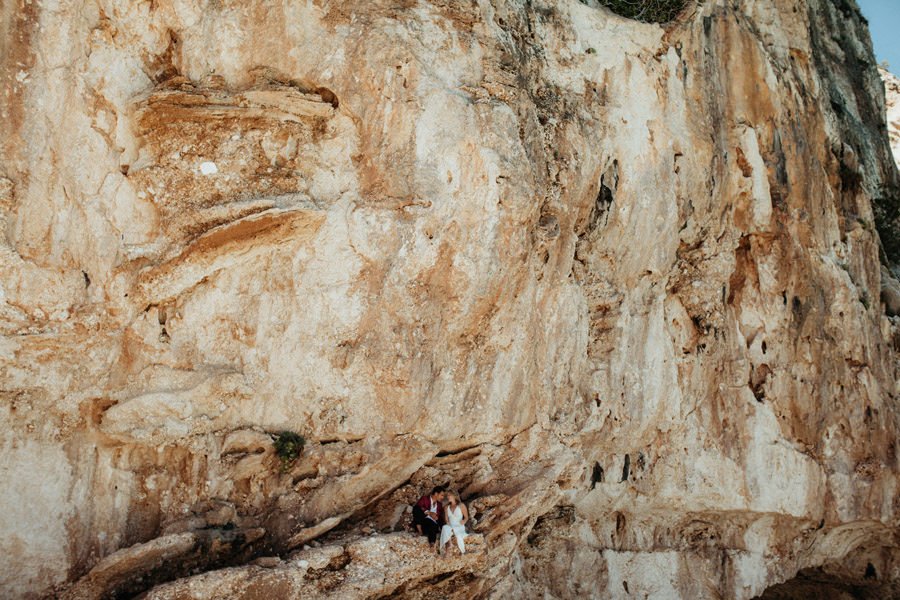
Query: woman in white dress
<point>455,517</point>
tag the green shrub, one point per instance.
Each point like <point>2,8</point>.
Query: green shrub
<point>648,11</point>
<point>288,446</point>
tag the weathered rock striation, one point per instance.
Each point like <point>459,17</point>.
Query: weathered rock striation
<point>627,287</point>
<point>892,98</point>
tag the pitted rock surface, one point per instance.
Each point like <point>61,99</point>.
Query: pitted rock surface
<point>628,288</point>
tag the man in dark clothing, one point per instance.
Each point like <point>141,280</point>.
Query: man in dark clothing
<point>427,513</point>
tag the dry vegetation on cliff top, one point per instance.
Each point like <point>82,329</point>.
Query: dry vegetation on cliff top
<point>649,11</point>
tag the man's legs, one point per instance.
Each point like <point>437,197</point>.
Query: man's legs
<point>432,530</point>
<point>419,520</point>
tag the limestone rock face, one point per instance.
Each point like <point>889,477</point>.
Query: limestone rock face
<point>618,284</point>
<point>892,102</point>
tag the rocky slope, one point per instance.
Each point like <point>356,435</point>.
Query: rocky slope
<point>618,283</point>
<point>892,97</point>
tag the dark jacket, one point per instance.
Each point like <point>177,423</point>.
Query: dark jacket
<point>423,505</point>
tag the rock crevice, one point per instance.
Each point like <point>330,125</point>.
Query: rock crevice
<point>629,288</point>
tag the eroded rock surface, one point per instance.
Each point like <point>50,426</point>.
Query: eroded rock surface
<point>892,103</point>
<point>370,567</point>
<point>626,287</point>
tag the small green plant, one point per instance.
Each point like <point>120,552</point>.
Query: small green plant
<point>288,446</point>
<point>648,11</point>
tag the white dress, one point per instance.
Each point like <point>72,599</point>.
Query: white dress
<point>454,527</point>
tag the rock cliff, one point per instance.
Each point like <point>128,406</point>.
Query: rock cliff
<point>626,286</point>
<point>892,97</point>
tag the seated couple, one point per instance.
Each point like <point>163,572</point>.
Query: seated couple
<point>430,516</point>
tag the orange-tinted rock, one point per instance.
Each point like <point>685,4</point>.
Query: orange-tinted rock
<point>617,284</point>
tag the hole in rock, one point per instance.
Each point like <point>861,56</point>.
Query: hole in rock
<point>328,96</point>
<point>837,107</point>
<point>626,468</point>
<point>860,575</point>
<point>549,225</point>
<point>758,381</point>
<point>620,524</point>
<point>822,585</point>
<point>596,475</point>
<point>609,182</point>
<point>453,451</point>
<point>605,197</point>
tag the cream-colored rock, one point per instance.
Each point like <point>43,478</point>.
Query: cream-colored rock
<point>890,293</point>
<point>123,572</point>
<point>130,562</point>
<point>892,97</point>
<point>372,567</point>
<point>616,283</point>
<point>247,441</point>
